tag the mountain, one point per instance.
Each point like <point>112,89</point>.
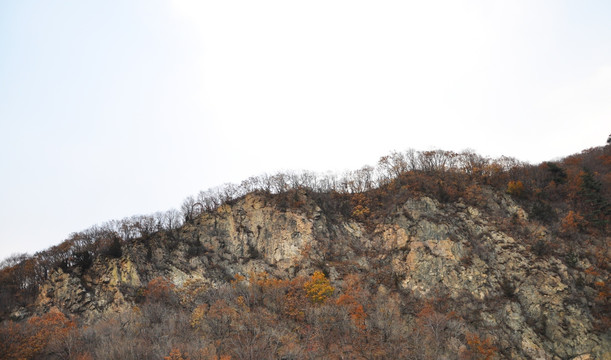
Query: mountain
<point>429,255</point>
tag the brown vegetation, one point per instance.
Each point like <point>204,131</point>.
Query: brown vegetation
<point>259,316</point>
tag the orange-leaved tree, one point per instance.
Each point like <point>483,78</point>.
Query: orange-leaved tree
<point>515,188</point>
<point>572,222</point>
<point>161,290</point>
<point>481,349</point>
<point>318,288</point>
<point>350,300</point>
<point>36,336</point>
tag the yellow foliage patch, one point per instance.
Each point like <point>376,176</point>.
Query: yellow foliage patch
<point>318,288</point>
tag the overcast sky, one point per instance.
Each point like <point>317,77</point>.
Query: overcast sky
<point>116,108</point>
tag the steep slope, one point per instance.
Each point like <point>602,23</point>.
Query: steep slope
<point>423,250</point>
<point>479,261</point>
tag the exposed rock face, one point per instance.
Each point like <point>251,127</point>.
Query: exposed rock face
<point>537,307</point>
<point>97,290</point>
<point>454,250</point>
<point>251,229</point>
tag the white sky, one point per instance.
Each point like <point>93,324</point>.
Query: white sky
<point>115,108</point>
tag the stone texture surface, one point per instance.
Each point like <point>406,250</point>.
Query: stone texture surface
<point>427,246</point>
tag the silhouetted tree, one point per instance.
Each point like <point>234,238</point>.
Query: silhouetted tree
<point>114,250</point>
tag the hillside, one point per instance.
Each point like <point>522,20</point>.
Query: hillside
<point>428,255</point>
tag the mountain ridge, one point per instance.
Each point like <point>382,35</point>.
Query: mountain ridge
<point>497,261</point>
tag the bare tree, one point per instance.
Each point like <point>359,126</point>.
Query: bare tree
<point>187,208</point>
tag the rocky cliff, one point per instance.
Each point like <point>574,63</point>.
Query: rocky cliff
<point>480,261</point>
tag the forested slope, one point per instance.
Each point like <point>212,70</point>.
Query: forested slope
<point>427,255</point>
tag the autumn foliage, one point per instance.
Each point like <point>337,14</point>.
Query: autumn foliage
<point>564,212</point>
<point>515,188</point>
<point>46,335</point>
<point>318,288</point>
<point>480,349</point>
<point>572,222</point>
